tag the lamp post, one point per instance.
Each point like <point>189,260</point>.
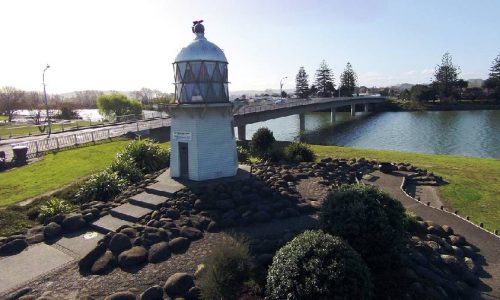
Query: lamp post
<point>46,101</point>
<point>281,86</point>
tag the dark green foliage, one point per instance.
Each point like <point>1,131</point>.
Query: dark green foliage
<point>226,269</point>
<point>315,265</point>
<point>446,80</point>
<point>243,154</point>
<point>298,152</point>
<point>324,80</point>
<point>262,141</point>
<point>102,186</point>
<point>369,219</point>
<point>66,111</point>
<point>422,93</point>
<point>126,168</point>
<point>115,105</point>
<point>302,84</point>
<point>53,207</point>
<point>276,154</point>
<point>147,155</point>
<point>348,81</point>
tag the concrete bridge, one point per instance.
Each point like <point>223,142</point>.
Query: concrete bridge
<point>258,113</point>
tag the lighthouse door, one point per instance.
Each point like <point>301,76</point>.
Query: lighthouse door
<point>184,160</point>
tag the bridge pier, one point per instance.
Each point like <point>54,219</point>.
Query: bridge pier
<point>366,107</point>
<point>242,131</point>
<point>332,114</point>
<point>302,120</point>
<point>353,110</point>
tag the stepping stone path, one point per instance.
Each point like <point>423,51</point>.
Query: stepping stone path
<point>138,206</point>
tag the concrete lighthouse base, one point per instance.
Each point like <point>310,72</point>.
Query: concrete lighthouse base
<point>203,145</point>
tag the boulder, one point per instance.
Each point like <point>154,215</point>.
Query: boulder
<point>224,204</point>
<point>103,263</point>
<point>471,265</point>
<point>457,240</point>
<point>159,252</point>
<point>194,293</point>
<point>199,270</point>
<point>134,256</point>
<point>85,264</point>
<point>153,293</point>
<point>13,247</point>
<point>179,245</point>
<point>191,233</point>
<point>73,222</point>
<point>129,231</point>
<point>36,238</point>
<point>52,230</point>
<point>179,284</point>
<point>119,243</point>
<point>121,296</point>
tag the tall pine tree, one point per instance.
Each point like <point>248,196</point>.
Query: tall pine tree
<point>302,83</point>
<point>446,78</point>
<point>324,80</point>
<point>348,81</point>
<point>493,82</point>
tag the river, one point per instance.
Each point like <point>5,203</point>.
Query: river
<point>465,133</point>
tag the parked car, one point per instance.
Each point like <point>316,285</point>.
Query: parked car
<point>279,101</point>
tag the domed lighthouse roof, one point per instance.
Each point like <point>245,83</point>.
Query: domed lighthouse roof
<point>200,48</point>
<point>201,71</point>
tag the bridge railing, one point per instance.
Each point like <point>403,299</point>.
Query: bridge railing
<point>38,147</point>
<point>299,102</point>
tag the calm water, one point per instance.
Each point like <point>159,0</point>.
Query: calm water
<point>467,133</point>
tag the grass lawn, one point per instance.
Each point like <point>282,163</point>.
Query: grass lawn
<point>55,170</point>
<point>474,183</point>
<point>7,130</point>
<point>3,118</point>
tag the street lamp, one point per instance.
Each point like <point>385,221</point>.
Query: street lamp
<point>281,85</point>
<point>46,101</point>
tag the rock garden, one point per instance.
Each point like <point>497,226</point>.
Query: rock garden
<point>264,236</point>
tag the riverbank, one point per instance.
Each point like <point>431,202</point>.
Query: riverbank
<point>394,105</point>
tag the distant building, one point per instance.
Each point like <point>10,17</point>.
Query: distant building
<point>475,83</point>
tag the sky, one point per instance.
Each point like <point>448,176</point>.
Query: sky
<point>126,45</point>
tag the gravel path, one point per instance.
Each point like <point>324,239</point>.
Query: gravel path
<point>488,244</point>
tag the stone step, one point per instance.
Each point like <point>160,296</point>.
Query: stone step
<point>130,212</point>
<point>165,185</point>
<point>109,223</point>
<point>147,200</point>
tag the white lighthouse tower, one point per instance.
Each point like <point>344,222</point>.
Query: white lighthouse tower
<point>203,145</point>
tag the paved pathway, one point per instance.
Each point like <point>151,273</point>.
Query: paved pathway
<point>488,244</point>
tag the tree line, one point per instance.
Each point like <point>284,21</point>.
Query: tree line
<point>324,83</point>
<point>447,87</point>
<point>13,100</point>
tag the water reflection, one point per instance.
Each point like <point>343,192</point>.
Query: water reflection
<point>468,133</point>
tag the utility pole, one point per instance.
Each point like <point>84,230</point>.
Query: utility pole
<point>46,101</point>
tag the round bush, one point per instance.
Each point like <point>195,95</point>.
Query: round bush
<point>298,152</point>
<point>102,186</point>
<point>126,168</point>
<point>369,220</point>
<point>316,265</point>
<point>262,141</point>
<point>147,155</point>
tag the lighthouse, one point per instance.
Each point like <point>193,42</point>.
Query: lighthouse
<point>203,145</point>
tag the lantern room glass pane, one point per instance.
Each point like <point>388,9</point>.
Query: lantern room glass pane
<point>203,73</point>
<point>204,90</point>
<point>195,67</point>
<point>222,70</point>
<point>188,76</point>
<point>182,68</point>
<point>183,97</point>
<point>210,68</point>
<point>216,76</point>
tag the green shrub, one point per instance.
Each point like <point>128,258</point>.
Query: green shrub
<point>102,186</point>
<point>262,141</point>
<point>126,168</point>
<point>147,155</point>
<point>315,265</point>
<point>369,219</point>
<point>226,269</point>
<point>243,154</point>
<point>298,152</point>
<point>276,154</point>
<point>53,207</point>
